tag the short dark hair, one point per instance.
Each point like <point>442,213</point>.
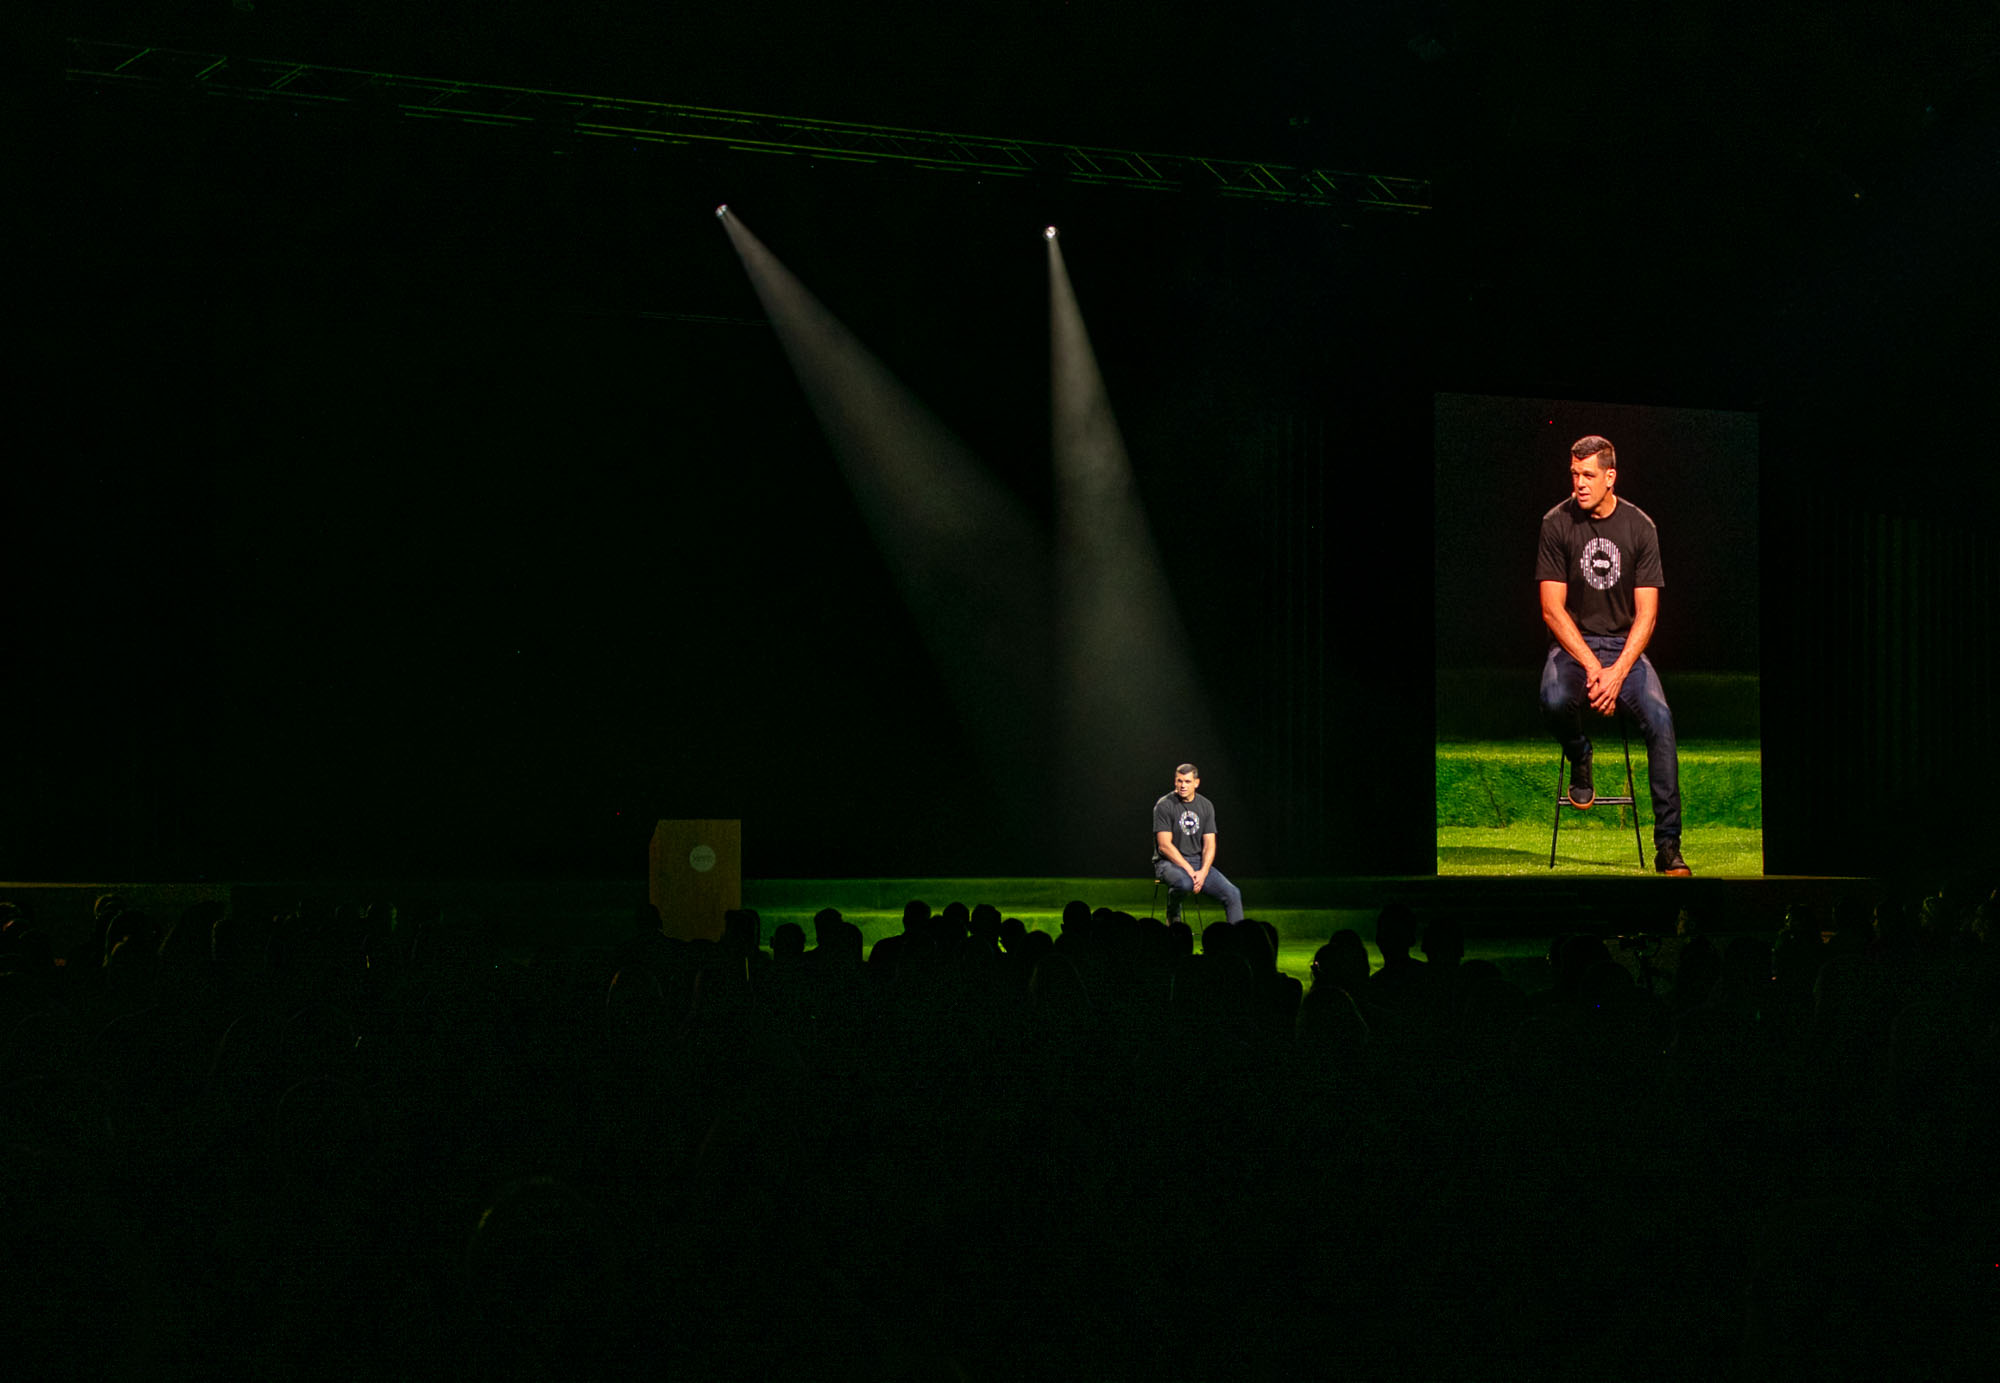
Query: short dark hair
<point>1188,769</point>
<point>1583,448</point>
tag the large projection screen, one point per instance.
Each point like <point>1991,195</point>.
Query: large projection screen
<point>1501,464</point>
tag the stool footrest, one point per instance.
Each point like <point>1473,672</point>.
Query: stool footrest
<point>1630,799</point>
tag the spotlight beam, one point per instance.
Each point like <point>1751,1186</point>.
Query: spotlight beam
<point>1132,705</point>
<point>970,563</point>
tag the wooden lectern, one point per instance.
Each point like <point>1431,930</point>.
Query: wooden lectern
<point>694,875</point>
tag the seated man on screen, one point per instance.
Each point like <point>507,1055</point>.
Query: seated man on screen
<point>1600,579</point>
<point>1183,833</point>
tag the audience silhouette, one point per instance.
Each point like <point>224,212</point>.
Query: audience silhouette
<point>363,1141</point>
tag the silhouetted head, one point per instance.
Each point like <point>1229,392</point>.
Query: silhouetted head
<point>540,1276</point>
<point>847,945</point>
<point>742,931</point>
<point>1577,955</point>
<point>824,920</point>
<point>1891,924</point>
<point>1257,943</point>
<point>1395,931</point>
<point>1444,941</point>
<point>985,922</point>
<point>1342,962</point>
<point>1037,944</point>
<point>185,946</point>
<point>953,924</point>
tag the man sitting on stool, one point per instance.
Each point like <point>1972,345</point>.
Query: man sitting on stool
<point>1599,573</point>
<point>1183,831</point>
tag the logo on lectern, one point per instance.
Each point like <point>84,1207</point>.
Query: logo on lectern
<point>701,859</point>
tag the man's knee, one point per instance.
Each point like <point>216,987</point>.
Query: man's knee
<point>1560,695</point>
<point>1650,709</point>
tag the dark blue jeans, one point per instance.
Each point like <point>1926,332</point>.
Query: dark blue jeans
<point>1563,704</point>
<point>1216,887</point>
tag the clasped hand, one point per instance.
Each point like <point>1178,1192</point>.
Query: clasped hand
<point>1602,689</point>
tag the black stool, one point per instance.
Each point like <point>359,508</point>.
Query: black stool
<point>1630,799</point>
<point>1153,906</point>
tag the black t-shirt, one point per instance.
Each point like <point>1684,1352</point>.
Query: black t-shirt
<point>1189,822</point>
<point>1603,560</point>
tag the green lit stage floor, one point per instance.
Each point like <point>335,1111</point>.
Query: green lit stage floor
<point>1301,932</point>
<point>875,905</point>
<point>1496,804</point>
<point>1603,850</point>
<point>1508,920</point>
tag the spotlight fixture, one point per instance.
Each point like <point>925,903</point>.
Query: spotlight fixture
<point>722,211</point>
<point>1048,232</point>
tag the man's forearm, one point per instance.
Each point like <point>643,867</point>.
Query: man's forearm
<point>1636,641</point>
<point>1569,636</point>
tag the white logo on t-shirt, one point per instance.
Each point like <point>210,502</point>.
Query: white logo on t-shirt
<point>1601,564</point>
<point>1190,823</point>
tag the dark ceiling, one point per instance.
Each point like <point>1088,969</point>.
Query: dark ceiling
<point>1843,92</point>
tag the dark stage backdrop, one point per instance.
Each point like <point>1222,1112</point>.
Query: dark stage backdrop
<point>388,494</point>
<point>1502,462</point>
<point>418,501</point>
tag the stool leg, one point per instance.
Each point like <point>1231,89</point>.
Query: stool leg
<point>1562,762</point>
<point>1632,791</point>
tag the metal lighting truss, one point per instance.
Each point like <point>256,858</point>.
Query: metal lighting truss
<point>111,65</point>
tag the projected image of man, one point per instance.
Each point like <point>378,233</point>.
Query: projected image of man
<point>1184,848</point>
<point>1600,578</point>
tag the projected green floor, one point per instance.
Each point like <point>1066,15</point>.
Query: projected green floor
<point>1496,804</point>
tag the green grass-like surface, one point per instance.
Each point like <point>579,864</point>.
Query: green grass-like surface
<point>1729,852</point>
<point>875,906</point>
<point>1504,783</point>
<point>1301,932</point>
